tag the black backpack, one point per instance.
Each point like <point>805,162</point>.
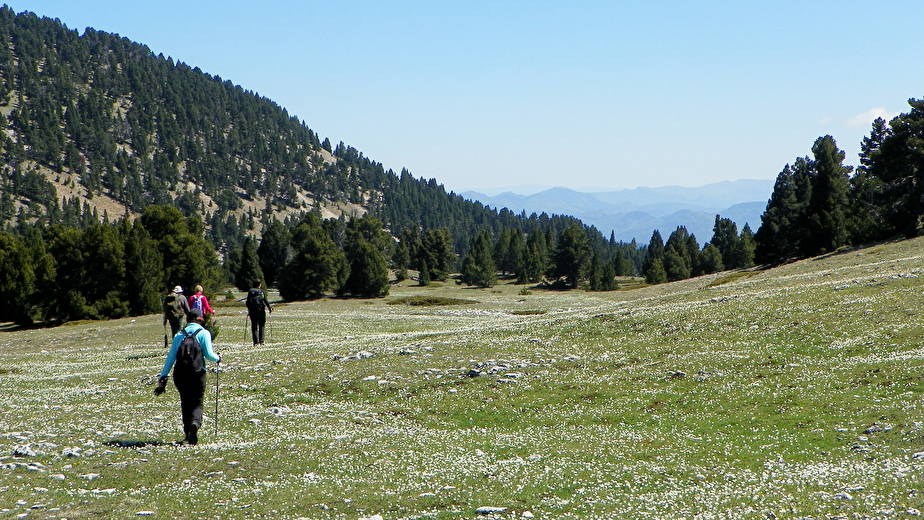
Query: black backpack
<point>255,301</point>
<point>189,359</point>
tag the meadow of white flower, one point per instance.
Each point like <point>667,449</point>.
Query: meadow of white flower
<point>785,393</point>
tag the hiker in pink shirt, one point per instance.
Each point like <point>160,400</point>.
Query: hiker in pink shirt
<point>199,301</point>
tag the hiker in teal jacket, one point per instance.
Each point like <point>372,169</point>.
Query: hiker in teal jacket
<point>191,386</point>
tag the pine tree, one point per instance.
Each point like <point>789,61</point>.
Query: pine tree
<point>478,268</point>
<point>424,279</point>
<point>249,269</point>
<point>653,266</point>
<point>17,280</point>
<point>366,247</point>
<point>274,250</point>
<point>826,217</point>
<point>143,276</point>
<point>316,267</point>
<point>725,239</point>
<point>572,255</point>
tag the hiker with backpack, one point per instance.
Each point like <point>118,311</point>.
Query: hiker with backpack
<point>190,348</point>
<point>175,309</point>
<point>199,301</point>
<point>257,305</point>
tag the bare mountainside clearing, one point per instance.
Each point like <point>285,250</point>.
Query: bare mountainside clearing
<point>786,393</point>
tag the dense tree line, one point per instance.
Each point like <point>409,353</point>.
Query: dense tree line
<point>681,257</point>
<point>817,206</point>
<point>105,270</point>
<point>107,116</point>
<point>104,116</point>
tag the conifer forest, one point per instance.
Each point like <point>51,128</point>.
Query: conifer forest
<point>124,173</point>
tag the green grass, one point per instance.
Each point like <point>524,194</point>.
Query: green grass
<point>779,392</point>
<point>428,301</point>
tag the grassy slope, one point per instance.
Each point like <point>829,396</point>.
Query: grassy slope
<point>700,398</point>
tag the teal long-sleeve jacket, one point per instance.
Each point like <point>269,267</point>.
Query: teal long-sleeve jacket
<point>205,341</point>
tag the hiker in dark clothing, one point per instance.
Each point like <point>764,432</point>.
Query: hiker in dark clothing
<point>175,309</point>
<point>189,372</point>
<point>256,308</point>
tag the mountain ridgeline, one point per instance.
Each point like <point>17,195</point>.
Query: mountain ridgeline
<point>123,173</point>
<point>101,120</point>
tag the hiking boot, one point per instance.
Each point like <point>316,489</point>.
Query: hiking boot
<point>192,436</point>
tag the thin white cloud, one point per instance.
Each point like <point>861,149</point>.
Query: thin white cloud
<point>866,118</point>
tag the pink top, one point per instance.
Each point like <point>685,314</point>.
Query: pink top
<point>204,307</point>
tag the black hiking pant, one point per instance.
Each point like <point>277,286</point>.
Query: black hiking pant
<point>257,326</point>
<point>192,391</point>
<point>174,325</point>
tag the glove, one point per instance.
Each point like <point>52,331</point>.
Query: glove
<point>219,360</point>
<point>161,386</point>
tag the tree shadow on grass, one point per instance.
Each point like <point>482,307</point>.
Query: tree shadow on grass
<point>134,444</point>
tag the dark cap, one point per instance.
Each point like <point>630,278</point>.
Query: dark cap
<point>193,314</point>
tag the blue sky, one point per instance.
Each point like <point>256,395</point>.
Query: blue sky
<point>486,95</point>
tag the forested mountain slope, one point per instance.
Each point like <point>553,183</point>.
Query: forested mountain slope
<point>94,121</point>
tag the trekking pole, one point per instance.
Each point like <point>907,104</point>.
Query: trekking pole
<point>217,371</point>
<point>165,335</point>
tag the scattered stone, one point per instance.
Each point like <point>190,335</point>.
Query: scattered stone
<point>57,476</point>
<point>676,374</point>
<point>913,512</point>
<point>426,494</point>
<point>918,455</point>
<point>528,514</point>
<point>490,510</point>
<point>23,451</point>
<point>475,373</point>
<point>373,517</point>
<point>90,476</point>
<point>843,495</point>
<point>71,452</point>
<point>144,513</point>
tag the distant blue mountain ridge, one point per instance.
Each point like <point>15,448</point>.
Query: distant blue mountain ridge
<point>635,213</point>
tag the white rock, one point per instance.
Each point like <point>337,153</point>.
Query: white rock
<point>488,510</point>
<point>528,514</point>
